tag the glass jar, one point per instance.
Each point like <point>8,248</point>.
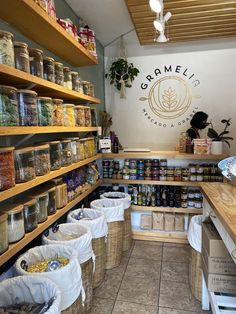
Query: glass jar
<point>85,85</point>
<point>30,214</point>
<point>7,170</point>
<point>69,115</point>
<point>3,233</point>
<point>42,206</point>
<point>81,149</point>
<point>80,116</point>
<point>59,76</point>
<point>48,69</point>
<point>16,229</point>
<point>91,90</point>
<point>42,159</point>
<point>91,147</point>
<point>87,114</point>
<point>36,62</point>
<point>198,203</point>
<point>58,112</point>
<point>61,195</point>
<point>24,164</point>
<point>55,155</point>
<point>45,111</point>
<point>51,201</point>
<point>163,162</point>
<point>192,168</point>
<point>21,56</point>
<point>76,81</point>
<point>6,49</point>
<point>27,106</point>
<point>67,156</point>
<point>75,148</point>
<point>94,117</point>
<point>67,78</point>
<point>9,115</point>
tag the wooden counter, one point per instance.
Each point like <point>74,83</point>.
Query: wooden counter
<point>222,198</point>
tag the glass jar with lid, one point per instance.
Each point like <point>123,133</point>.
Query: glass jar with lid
<point>24,164</point>
<point>27,106</point>
<point>58,112</point>
<point>67,156</point>
<point>21,56</point>
<point>93,117</point>
<point>6,49</point>
<point>59,76</point>
<point>16,229</point>
<point>9,115</point>
<point>91,90</point>
<point>80,116</point>
<point>45,111</point>
<point>36,62</point>
<point>67,78</point>
<point>42,159</point>
<point>7,169</point>
<point>52,201</point>
<point>3,232</point>
<point>87,114</point>
<point>61,195</point>
<point>55,154</point>
<point>48,69</point>
<point>42,206</point>
<point>69,117</point>
<point>76,82</point>
<point>82,149</point>
<point>75,148</point>
<point>30,214</point>
<point>85,85</point>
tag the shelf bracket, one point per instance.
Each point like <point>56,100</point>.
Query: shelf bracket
<point>24,139</point>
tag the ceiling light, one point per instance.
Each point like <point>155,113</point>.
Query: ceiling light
<point>159,26</point>
<point>156,5</point>
<point>162,38</point>
<point>167,17</point>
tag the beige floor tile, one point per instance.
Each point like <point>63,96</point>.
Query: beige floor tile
<point>128,253</point>
<point>110,286</point>
<point>143,268</point>
<point>133,308</point>
<point>177,295</point>
<point>102,306</point>
<point>139,290</point>
<point>179,253</point>
<point>173,311</point>
<point>153,252</point>
<point>175,271</point>
<point>121,268</point>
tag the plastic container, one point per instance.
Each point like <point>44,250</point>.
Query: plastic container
<point>67,156</point>
<point>80,116</point>
<point>9,115</point>
<point>48,69</point>
<point>21,56</point>
<point>45,111</point>
<point>52,201</point>
<point>24,164</point>
<point>42,206</point>
<point>3,233</point>
<point>67,78</point>
<point>59,76</point>
<point>58,112</point>
<point>55,155</point>
<point>93,117</point>
<point>7,170</point>
<point>16,230</point>
<point>76,81</point>
<point>30,214</point>
<point>42,159</point>
<point>69,115</point>
<point>36,62</point>
<point>27,106</point>
<point>6,48</point>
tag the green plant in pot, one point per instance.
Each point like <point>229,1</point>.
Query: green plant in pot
<point>219,138</point>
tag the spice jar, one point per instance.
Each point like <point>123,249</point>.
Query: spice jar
<point>192,168</point>
<point>9,115</point>
<point>58,112</point>
<point>45,111</point>
<point>55,155</point>
<point>163,162</point>
<point>51,201</point>
<point>36,62</point>
<point>48,69</point>
<point>42,159</point>
<point>67,78</point>
<point>3,233</point>
<point>67,156</point>
<point>59,76</point>
<point>7,170</point>
<point>85,85</point>
<point>24,164</point>
<point>42,206</point>
<point>21,56</point>
<point>76,82</point>
<point>69,115</point>
<point>30,214</point>
<point>27,106</point>
<point>61,195</point>
<point>16,230</point>
<point>87,114</point>
<point>80,116</point>
<point>6,49</point>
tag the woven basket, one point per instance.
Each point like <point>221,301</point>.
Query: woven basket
<point>127,232</point>
<point>195,274</point>
<point>76,307</point>
<point>87,280</point>
<point>99,249</point>
<point>114,244</point>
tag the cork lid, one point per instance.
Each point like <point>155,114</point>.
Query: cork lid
<point>20,44</point>
<point>8,87</point>
<point>44,98</point>
<point>80,107</point>
<point>86,107</point>
<point>57,100</point>
<point>35,49</point>
<point>58,63</point>
<point>69,105</point>
<point>48,59</point>
<point>6,33</point>
<point>12,208</point>
<point>6,149</point>
<point>42,146</point>
<point>66,69</point>
<point>3,217</point>
<point>27,91</point>
<point>52,189</point>
<point>74,73</point>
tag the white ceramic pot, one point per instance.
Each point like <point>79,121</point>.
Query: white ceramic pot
<point>217,148</point>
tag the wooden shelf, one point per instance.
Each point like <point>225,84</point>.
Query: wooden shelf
<point>16,247</point>
<point>177,183</point>
<point>22,187</point>
<point>166,209</point>
<point>31,20</point>
<point>13,77</point>
<point>20,130</point>
<point>162,236</point>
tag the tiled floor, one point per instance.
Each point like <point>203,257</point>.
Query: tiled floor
<point>152,279</point>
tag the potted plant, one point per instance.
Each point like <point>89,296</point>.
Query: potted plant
<point>219,138</point>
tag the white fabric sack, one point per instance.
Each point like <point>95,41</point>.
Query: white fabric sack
<point>82,244</point>
<point>68,278</point>
<point>124,197</point>
<point>30,289</point>
<point>195,232</point>
<point>113,209</point>
<point>7,274</point>
<point>94,219</point>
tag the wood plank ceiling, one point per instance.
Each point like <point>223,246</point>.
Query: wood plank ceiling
<point>191,19</point>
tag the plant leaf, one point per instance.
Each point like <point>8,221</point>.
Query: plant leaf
<point>227,138</point>
<point>212,133</point>
<point>227,143</point>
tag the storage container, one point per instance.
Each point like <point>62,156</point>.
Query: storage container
<point>30,214</point>
<point>7,170</point>
<point>48,69</point>
<point>41,205</point>
<point>58,112</point>
<point>61,195</point>
<point>16,230</point>
<point>69,118</point>
<point>67,155</point>
<point>3,232</point>
<point>9,115</point>
<point>55,154</point>
<point>91,90</point>
<point>36,62</point>
<point>42,159</point>
<point>45,111</point>
<point>21,56</point>
<point>75,149</point>
<point>85,85</point>
<point>87,114</point>
<point>67,78</point>
<point>27,106</point>
<point>59,76</point>
<point>6,48</point>
<point>80,116</point>
<point>82,149</point>
<point>52,201</point>
<point>93,117</point>
<point>24,164</point>
<point>76,82</point>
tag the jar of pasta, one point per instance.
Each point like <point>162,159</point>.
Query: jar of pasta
<point>27,106</point>
<point>58,112</point>
<point>36,62</point>
<point>48,69</point>
<point>69,117</point>
<point>87,114</point>
<point>16,229</point>
<point>45,111</point>
<point>7,170</point>
<point>82,149</point>
<point>67,78</point>
<point>80,116</point>
<point>9,115</point>
<point>66,156</point>
<point>6,49</point>
<point>61,195</point>
<point>42,159</point>
<point>21,56</point>
<point>30,214</point>
<point>59,76</point>
<point>3,232</point>
<point>24,164</point>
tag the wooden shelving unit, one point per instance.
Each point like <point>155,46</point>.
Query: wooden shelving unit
<point>178,183</point>
<point>160,236</point>
<point>11,76</point>
<point>166,209</point>
<point>31,20</point>
<point>16,247</point>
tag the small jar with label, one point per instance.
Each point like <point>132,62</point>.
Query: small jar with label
<point>24,164</point>
<point>170,177</point>
<point>7,169</point>
<point>58,112</point>
<point>85,85</point>
<point>21,53</point>
<point>199,177</point>
<point>52,201</point>
<point>9,115</point>
<point>16,229</point>
<point>27,106</point>
<point>45,111</point>
<point>162,177</point>
<point>76,81</point>
<point>42,206</point>
<point>55,154</point>
<point>87,114</point>
<point>191,194</point>
<point>91,90</point>
<point>126,163</point>
<point>36,62</point>
<point>192,168</point>
<point>67,156</point>
<point>30,214</point>
<point>80,116</point>
<point>59,75</point>
<point>147,163</point>
<point>193,177</point>
<point>184,195</point>
<point>163,171</point>
<point>42,159</point>
<point>4,232</point>
<point>163,162</point>
<point>69,118</point>
<point>48,69</point>
<point>191,203</point>
<point>155,163</point>
<point>170,171</point>
<point>67,78</point>
<point>6,49</point>
<point>199,169</point>
<point>184,203</point>
<point>198,203</point>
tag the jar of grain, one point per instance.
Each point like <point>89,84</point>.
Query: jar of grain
<point>27,106</point>
<point>21,56</point>
<point>67,156</point>
<point>42,159</point>
<point>45,111</point>
<point>42,206</point>
<point>9,115</point>
<point>55,154</point>
<point>16,229</point>
<point>69,115</point>
<point>6,49</point>
<point>36,62</point>
<point>58,112</point>
<point>59,76</point>
<point>88,119</point>
<point>3,232</point>
<point>7,170</point>
<point>30,214</point>
<point>80,116</point>
<point>24,164</point>
<point>48,69</point>
<point>67,78</point>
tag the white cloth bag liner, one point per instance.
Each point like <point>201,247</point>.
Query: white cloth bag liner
<point>94,219</point>
<point>7,274</point>
<point>195,232</point>
<point>30,289</point>
<point>68,278</point>
<point>124,197</point>
<point>113,209</point>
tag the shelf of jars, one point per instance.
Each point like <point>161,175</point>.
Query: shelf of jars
<point>160,236</point>
<point>16,247</point>
<point>166,209</point>
<point>152,182</point>
<point>41,28</point>
<point>22,187</point>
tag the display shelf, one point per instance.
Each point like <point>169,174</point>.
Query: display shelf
<point>161,236</point>
<point>16,247</point>
<point>32,21</point>
<point>22,187</point>
<point>21,130</point>
<point>166,209</point>
<point>13,77</point>
<point>152,182</point>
